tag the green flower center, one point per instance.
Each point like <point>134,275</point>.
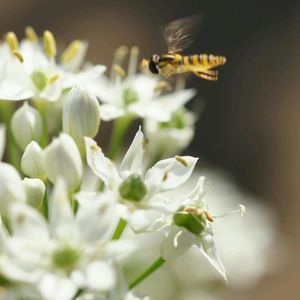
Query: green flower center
<point>39,79</point>
<point>133,188</point>
<point>65,257</point>
<point>177,121</point>
<point>130,96</point>
<point>193,219</point>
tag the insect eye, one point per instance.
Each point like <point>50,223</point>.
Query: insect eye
<point>153,67</point>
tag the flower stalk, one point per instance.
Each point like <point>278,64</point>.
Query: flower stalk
<point>152,268</point>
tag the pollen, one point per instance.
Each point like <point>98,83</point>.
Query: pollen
<point>31,34</point>
<point>52,79</point>
<point>166,175</point>
<point>12,41</point>
<point>209,217</point>
<point>162,85</point>
<point>49,44</point>
<point>18,55</point>
<point>71,51</point>
<point>119,70</point>
<point>181,160</point>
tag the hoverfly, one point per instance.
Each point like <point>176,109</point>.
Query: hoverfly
<point>178,36</point>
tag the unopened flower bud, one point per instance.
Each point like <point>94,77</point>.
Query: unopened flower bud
<point>62,158</point>
<point>35,191</point>
<point>26,125</point>
<point>133,188</point>
<point>32,162</point>
<point>81,115</point>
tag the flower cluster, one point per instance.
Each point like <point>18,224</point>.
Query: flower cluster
<point>64,203</point>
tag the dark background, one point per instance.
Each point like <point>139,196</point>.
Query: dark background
<point>251,122</point>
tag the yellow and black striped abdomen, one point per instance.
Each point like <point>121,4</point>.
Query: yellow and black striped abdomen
<point>204,60</point>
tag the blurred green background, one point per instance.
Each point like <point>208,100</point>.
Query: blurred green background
<point>250,126</point>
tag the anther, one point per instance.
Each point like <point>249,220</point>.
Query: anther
<point>52,79</point>
<point>209,217</point>
<point>181,160</point>
<point>71,51</point>
<point>49,44</point>
<point>119,70</point>
<point>18,55</point>
<point>31,34</point>
<point>12,41</point>
<point>162,85</point>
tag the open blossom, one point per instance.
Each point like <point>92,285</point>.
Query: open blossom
<point>129,96</point>
<point>65,254</point>
<point>30,70</point>
<point>133,186</point>
<point>170,138</point>
<point>189,223</point>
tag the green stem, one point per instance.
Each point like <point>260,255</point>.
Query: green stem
<point>119,230</point>
<point>152,268</point>
<point>44,208</point>
<point>119,130</point>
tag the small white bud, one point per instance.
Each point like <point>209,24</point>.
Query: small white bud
<point>81,115</point>
<point>32,162</point>
<point>35,191</point>
<point>26,125</point>
<point>62,158</point>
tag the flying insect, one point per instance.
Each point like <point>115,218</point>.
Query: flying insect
<point>178,36</point>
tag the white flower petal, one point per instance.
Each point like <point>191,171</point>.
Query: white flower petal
<point>60,212</point>
<point>100,276</point>
<point>170,173</point>
<point>55,287</point>
<point>99,164</point>
<point>53,91</point>
<point>110,112</point>
<point>83,77</point>
<point>178,241</point>
<point>14,83</point>
<point>133,160</point>
<point>96,218</point>
<point>27,223</point>
<point>208,248</point>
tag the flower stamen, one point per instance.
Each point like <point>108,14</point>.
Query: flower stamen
<point>12,41</point>
<point>18,55</point>
<point>71,51</point>
<point>133,60</point>
<point>52,79</point>
<point>176,237</point>
<point>31,34</point>
<point>241,211</point>
<point>119,71</point>
<point>181,160</point>
<point>49,44</point>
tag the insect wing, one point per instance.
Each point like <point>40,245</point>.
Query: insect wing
<point>179,34</point>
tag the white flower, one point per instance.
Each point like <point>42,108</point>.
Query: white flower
<point>62,158</point>
<point>26,125</point>
<point>29,71</point>
<point>169,138</point>
<point>68,253</point>
<point>81,115</point>
<point>135,95</point>
<point>188,225</point>
<point>134,187</point>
